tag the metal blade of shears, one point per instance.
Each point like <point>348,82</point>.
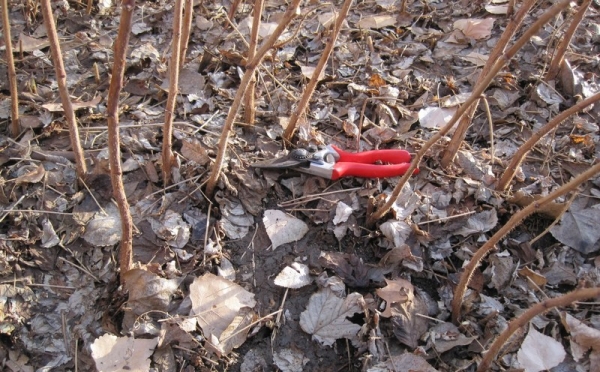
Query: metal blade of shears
<point>283,162</point>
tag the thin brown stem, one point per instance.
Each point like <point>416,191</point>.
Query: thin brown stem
<point>312,84</point>
<point>488,114</point>
<point>61,79</point>
<point>249,110</point>
<point>479,89</point>
<point>465,122</point>
<point>12,74</point>
<point>114,145</point>
<point>233,9</point>
<point>527,316</point>
<point>168,159</point>
<point>519,156</point>
<point>188,12</point>
<point>559,55</point>
<point>251,67</point>
<point>465,278</point>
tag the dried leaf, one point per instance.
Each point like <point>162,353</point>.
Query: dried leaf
<point>408,326</point>
<point>535,277</point>
<point>377,21</point>
<point>435,117</point>
<point>148,291</point>
<point>112,353</point>
<point>342,212</point>
<point>49,237</point>
<point>288,360</point>
<point>29,44</point>
<point>171,228</point>
<point>283,228</point>
<point>445,336</point>
<point>104,229</point>
<point>479,223</point>
<point>396,291</point>
<point>539,352</point>
<point>216,302</point>
<point>294,276</point>
<point>353,271</point>
<point>194,150</point>
<point>475,28</point>
<point>34,175</point>
<point>57,106</point>
<point>325,317</point>
<point>579,230</point>
<point>407,362</point>
<point>583,338</point>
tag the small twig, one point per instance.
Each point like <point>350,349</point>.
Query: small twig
<point>61,80</point>
<point>557,220</point>
<point>168,159</point>
<point>83,269</point>
<point>559,55</point>
<point>114,143</point>
<point>465,278</point>
<point>495,54</point>
<point>525,318</point>
<point>479,89</point>
<point>12,74</point>
<point>522,152</point>
<point>491,126</point>
<point>186,29</point>
<point>251,67</point>
<point>93,197</point>
<point>308,198</point>
<point>312,84</point>
<point>249,109</point>
<point>446,218</point>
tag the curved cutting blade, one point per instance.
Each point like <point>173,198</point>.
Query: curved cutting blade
<point>279,163</point>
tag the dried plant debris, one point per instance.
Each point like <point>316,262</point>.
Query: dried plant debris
<point>326,315</point>
<point>539,352</point>
<point>241,281</point>
<point>220,306</point>
<point>112,353</point>
<point>283,228</point>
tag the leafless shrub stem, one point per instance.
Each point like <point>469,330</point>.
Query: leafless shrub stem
<point>511,224</point>
<point>12,74</point>
<point>251,67</point>
<point>478,90</point>
<point>168,159</point>
<point>559,55</point>
<point>249,110</point>
<point>519,156</point>
<point>188,12</point>
<point>465,122</point>
<point>61,79</point>
<point>114,145</point>
<point>312,84</point>
<point>523,319</point>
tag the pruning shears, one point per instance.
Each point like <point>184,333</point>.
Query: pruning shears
<point>333,163</point>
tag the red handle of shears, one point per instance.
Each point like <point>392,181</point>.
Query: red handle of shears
<point>361,164</point>
<point>369,170</point>
<point>394,156</point>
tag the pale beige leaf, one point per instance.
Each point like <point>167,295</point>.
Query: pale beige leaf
<point>112,353</point>
<point>377,21</point>
<point>325,317</point>
<point>475,28</point>
<point>294,276</point>
<point>283,228</point>
<point>539,352</point>
<point>216,302</point>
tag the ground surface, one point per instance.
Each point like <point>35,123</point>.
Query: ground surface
<point>388,84</point>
